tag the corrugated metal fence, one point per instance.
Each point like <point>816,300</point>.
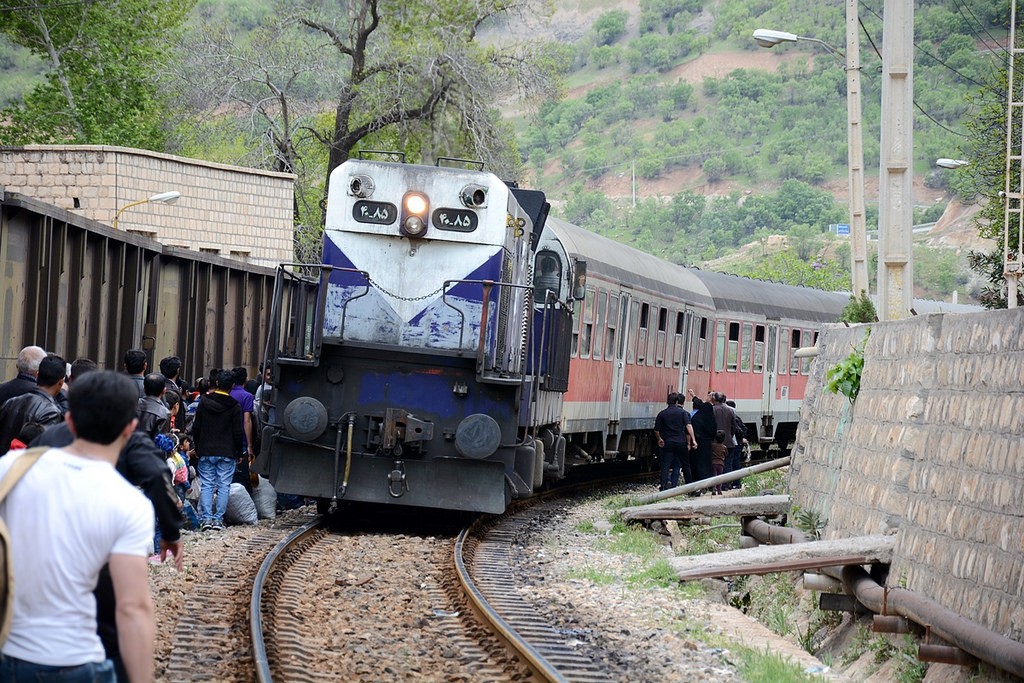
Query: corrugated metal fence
<point>82,289</point>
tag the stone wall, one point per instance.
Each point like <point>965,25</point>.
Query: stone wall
<point>239,213</point>
<point>932,451</point>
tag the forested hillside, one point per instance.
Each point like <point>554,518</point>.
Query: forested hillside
<point>673,131</point>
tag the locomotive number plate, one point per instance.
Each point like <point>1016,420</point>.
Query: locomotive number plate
<point>458,220</point>
<point>381,213</point>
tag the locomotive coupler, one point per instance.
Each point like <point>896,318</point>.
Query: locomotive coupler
<point>397,484</point>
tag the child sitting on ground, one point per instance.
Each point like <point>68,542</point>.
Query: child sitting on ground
<point>718,453</point>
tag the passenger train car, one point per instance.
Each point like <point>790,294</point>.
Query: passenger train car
<point>457,348</point>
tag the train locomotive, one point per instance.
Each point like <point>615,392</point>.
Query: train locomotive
<point>458,348</point>
<point>405,367</point>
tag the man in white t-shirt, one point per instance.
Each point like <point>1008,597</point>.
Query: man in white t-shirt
<point>71,514</point>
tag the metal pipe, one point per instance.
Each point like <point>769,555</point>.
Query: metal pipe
<point>990,647</point>
<point>713,481</point>
<point>348,450</point>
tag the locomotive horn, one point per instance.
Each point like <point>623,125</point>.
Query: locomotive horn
<point>473,196</point>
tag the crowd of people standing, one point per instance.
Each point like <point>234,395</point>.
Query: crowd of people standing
<point>109,458</point>
<point>700,443</point>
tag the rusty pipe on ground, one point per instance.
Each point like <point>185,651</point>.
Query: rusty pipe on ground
<point>990,647</point>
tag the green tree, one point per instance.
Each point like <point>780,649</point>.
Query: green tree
<point>101,86</point>
<point>610,26</point>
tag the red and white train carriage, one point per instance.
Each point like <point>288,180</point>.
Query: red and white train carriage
<point>646,327</point>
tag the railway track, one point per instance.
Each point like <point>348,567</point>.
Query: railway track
<point>483,560</point>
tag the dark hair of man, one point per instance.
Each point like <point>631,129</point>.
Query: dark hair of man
<point>101,404</point>
<point>169,367</point>
<point>172,399</point>
<point>225,380</point>
<point>81,366</point>
<point>241,374</point>
<point>202,385</point>
<point>51,370</point>
<point>673,398</point>
<point>720,436</point>
<point>731,403</point>
<point>153,384</point>
<point>134,361</point>
<point>214,373</point>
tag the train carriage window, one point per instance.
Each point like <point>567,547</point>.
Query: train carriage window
<point>783,353</point>
<point>733,348</point>
<point>586,336</point>
<point>641,341</point>
<point>699,352</point>
<point>631,348</point>
<point>745,342</point>
<point>661,342</point>
<point>577,317</point>
<point>599,322</point>
<point>720,346</point>
<point>609,337</point>
<point>805,363</point>
<point>794,344</point>
<point>678,341</point>
<point>759,348</point>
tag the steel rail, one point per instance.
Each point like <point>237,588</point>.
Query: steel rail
<point>259,649</point>
<point>540,666</point>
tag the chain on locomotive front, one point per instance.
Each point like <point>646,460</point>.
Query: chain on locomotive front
<point>403,365</point>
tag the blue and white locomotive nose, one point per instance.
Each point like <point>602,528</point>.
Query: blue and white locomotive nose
<point>411,246</point>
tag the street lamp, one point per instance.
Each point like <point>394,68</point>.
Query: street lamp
<point>951,163</point>
<point>855,147</point>
<point>162,198</point>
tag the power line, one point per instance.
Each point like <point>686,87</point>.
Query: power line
<point>919,107</point>
<point>960,8</point>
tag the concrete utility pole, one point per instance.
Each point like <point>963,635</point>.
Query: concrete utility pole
<point>1013,192</point>
<point>895,192</point>
<point>855,154</point>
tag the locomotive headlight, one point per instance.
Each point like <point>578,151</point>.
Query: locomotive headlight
<point>415,208</point>
<point>416,203</point>
<point>361,186</point>
<point>473,196</point>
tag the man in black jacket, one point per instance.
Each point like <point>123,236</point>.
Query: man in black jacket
<point>217,435</point>
<point>38,406</point>
<point>28,367</point>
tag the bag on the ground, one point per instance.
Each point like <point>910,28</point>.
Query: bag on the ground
<point>265,498</point>
<point>241,509</point>
<point>17,471</point>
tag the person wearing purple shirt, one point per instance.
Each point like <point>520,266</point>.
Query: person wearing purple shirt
<point>245,401</point>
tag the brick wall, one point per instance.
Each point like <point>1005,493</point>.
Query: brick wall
<point>931,451</point>
<point>235,212</point>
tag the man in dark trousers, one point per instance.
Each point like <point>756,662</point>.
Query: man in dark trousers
<point>217,435</point>
<point>675,438</point>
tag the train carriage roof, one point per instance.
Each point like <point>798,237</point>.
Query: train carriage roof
<point>773,299</point>
<point>631,267</point>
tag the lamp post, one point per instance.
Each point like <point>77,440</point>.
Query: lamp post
<point>855,147</point>
<point>162,198</point>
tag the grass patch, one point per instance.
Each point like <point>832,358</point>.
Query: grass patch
<point>659,574</point>
<point>777,480</point>
<point>633,541</point>
<point>586,527</point>
<point>762,665</point>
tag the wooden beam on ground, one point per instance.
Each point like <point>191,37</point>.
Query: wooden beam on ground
<point>717,506</point>
<point>791,557</point>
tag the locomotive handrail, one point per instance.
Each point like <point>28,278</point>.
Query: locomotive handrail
<point>486,284</point>
<point>344,308</point>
